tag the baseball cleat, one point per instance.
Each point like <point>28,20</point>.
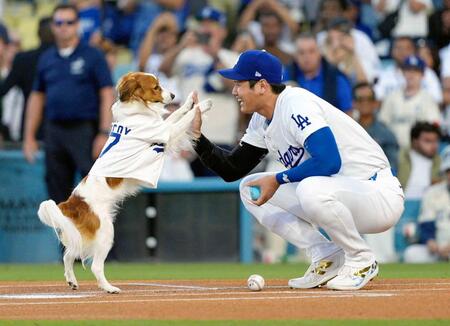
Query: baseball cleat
<point>319,272</point>
<point>353,278</point>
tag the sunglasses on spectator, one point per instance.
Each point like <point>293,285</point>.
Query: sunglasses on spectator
<point>64,22</point>
<point>364,98</point>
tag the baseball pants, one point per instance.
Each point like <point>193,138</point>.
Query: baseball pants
<point>343,207</point>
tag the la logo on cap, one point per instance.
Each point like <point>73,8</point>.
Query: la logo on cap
<point>257,74</point>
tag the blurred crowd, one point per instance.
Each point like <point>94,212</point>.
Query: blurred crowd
<point>386,63</point>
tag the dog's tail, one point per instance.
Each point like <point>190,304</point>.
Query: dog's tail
<point>50,214</point>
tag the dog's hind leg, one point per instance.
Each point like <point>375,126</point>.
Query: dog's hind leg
<point>68,271</point>
<point>102,247</point>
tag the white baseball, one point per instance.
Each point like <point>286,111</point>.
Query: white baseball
<point>255,282</point>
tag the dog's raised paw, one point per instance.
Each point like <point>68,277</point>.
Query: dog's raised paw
<point>205,105</point>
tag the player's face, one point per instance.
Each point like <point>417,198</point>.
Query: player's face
<point>246,96</point>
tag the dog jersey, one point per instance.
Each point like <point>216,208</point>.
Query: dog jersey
<point>299,113</point>
<point>135,148</point>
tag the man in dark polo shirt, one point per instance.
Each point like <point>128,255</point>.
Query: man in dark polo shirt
<point>312,72</point>
<point>72,94</point>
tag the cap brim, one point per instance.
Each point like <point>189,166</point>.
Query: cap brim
<point>231,74</point>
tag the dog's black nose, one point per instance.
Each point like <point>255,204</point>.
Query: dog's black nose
<point>172,96</point>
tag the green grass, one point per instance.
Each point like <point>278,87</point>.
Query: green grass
<point>230,323</point>
<point>129,271</point>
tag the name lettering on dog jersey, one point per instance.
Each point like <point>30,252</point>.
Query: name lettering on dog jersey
<point>292,157</point>
<point>301,121</point>
<point>120,129</point>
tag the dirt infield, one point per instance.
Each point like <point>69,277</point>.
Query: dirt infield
<point>215,300</point>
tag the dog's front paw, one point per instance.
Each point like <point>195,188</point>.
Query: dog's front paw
<point>189,103</point>
<point>205,105</point>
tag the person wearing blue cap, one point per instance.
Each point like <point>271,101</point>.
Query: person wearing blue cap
<point>336,176</point>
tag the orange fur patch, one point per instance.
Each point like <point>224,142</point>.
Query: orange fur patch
<point>86,221</point>
<point>113,182</point>
<point>139,86</point>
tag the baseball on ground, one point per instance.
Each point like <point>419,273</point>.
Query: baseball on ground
<point>255,282</point>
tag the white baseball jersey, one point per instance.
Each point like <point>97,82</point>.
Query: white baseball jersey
<point>298,113</point>
<point>135,148</point>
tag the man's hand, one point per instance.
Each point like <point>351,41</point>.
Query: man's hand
<point>29,148</point>
<point>268,186</point>
<point>98,144</point>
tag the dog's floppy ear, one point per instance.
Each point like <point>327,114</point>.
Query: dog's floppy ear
<point>127,87</point>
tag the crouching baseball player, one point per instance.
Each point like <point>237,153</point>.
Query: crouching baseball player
<point>336,178</point>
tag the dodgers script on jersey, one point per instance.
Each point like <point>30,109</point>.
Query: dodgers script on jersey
<point>135,148</point>
<point>299,113</point>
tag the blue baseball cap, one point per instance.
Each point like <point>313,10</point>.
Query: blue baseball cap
<point>256,65</point>
<point>211,13</point>
<point>414,62</point>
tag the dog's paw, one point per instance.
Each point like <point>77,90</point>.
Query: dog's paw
<point>111,289</point>
<point>205,105</point>
<point>73,285</point>
<point>189,103</point>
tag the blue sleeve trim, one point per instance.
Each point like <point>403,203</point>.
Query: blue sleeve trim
<point>427,231</point>
<point>325,159</point>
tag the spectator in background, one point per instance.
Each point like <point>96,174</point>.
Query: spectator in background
<point>272,27</point>
<point>13,100</point>
<point>4,40</point>
<point>391,78</point>
<point>90,14</point>
<point>314,73</point>
<point>434,221</point>
<point>339,50</point>
<point>439,25</point>
<point>361,46</point>
<point>329,10</point>
<point>127,23</point>
<point>24,67</point>
<point>72,94</point>
<point>445,109</point>
<point>194,62</point>
<point>427,51</point>
<point>367,106</point>
<point>418,166</point>
<point>161,37</point>
<point>402,108</point>
<point>413,18</point>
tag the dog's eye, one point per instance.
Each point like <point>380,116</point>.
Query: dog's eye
<point>156,88</point>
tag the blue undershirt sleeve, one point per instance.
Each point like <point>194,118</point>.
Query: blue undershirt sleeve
<point>324,160</point>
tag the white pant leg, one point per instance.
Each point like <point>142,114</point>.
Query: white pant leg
<point>282,215</point>
<point>345,207</point>
<point>419,253</point>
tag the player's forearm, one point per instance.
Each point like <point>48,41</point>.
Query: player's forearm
<point>34,113</point>
<point>106,101</point>
<point>232,165</point>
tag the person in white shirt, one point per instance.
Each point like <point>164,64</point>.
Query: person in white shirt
<point>336,176</point>
<point>402,108</point>
<point>413,18</point>
<point>434,221</point>
<point>391,77</point>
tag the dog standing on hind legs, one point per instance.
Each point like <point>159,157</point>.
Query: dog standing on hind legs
<point>132,158</point>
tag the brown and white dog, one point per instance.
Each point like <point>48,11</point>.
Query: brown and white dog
<point>132,158</point>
